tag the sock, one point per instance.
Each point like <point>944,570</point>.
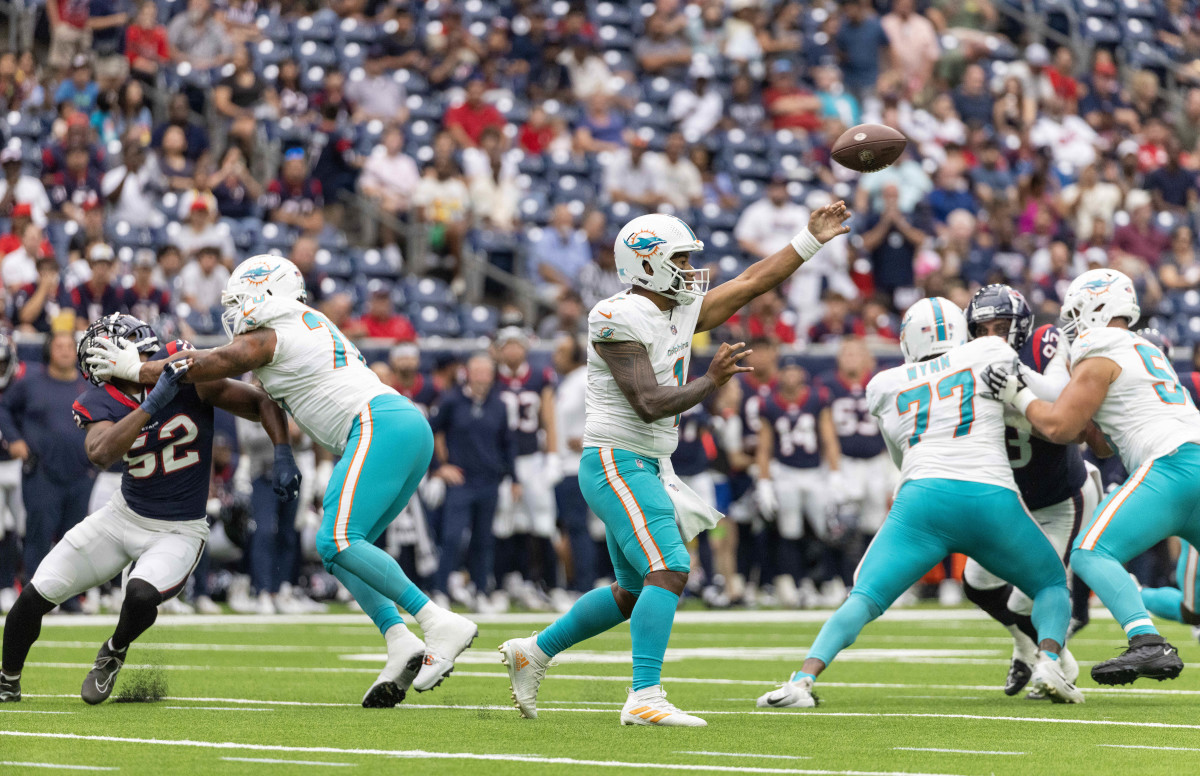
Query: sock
<point>595,612</point>
<point>22,628</point>
<point>381,609</point>
<point>650,629</point>
<point>798,675</point>
<point>382,573</point>
<point>1109,579</point>
<point>1052,613</point>
<point>1051,655</point>
<point>139,610</point>
<point>840,630</point>
<point>1163,602</point>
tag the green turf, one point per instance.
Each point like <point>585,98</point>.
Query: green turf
<point>931,666</point>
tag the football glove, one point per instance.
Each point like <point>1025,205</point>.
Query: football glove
<point>1007,383</point>
<point>286,474</point>
<point>115,358</point>
<point>764,496</point>
<point>168,385</point>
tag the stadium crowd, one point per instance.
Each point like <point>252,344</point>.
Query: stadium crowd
<point>385,147</point>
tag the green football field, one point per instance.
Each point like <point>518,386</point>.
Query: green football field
<point>919,693</point>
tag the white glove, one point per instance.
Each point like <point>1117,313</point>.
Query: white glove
<point>552,468</point>
<point>768,502</point>
<point>119,359</point>
<point>1007,383</point>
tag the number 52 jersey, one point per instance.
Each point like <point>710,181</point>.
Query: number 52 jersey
<point>932,415</point>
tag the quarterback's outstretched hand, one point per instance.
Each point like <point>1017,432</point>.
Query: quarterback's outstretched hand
<point>725,364</point>
<point>1007,383</point>
<point>828,222</point>
<point>115,358</point>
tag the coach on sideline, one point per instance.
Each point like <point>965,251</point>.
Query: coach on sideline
<point>36,420</point>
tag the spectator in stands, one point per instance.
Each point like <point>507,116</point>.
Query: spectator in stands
<point>1104,106</point>
<point>133,188</point>
<point>236,191</point>
<point>405,360</point>
<point>587,72</point>
<point>381,320</point>
<point>914,45</point>
<point>203,279</point>
<point>789,105</point>
<point>179,114</point>
<point>1071,141</point>
<point>304,256</point>
<point>558,254</point>
<point>1141,237</point>
<point>144,299</point>
<point>1145,96</point>
<point>146,44</point>
<point>706,30</point>
<point>100,295</point>
<point>390,177</point>
<point>239,18</point>
<point>630,175</point>
<point>598,279</point>
<point>338,163</point>
<point>972,99</point>
<point>837,321</point>
<point>861,44</point>
<point>1180,267</point>
<point>37,423</point>
<point>467,120</point>
<point>836,102</point>
<point>377,95</point>
<point>295,198</point>
<point>677,181</point>
<point>70,35</point>
<point>492,180</point>
<point>91,228</point>
<point>19,267</point>
<point>403,47</point>
<point>601,128</point>
<point>79,89</point>
<point>769,223</point>
<point>536,133</point>
<point>169,271</point>
<point>569,317</point>
<point>660,51</point>
<point>243,92</point>
<point>1171,186</point>
<point>890,239</point>
<point>41,302</point>
<point>716,187</point>
<point>474,452</point>
<point>18,188</point>
<point>196,37</point>
<point>294,102</point>
<point>1187,124</point>
<point>108,22</point>
<point>965,252</point>
<point>743,43</point>
<point>177,169</point>
<point>991,179</point>
<point>132,113</point>
<point>76,188</point>
<point>698,109</point>
<point>950,193</point>
<point>906,174</point>
<point>200,230</point>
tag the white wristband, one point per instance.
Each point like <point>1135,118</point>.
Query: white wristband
<point>1023,399</point>
<point>805,244</point>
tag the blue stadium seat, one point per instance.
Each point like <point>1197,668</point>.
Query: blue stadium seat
<point>479,321</point>
<point>646,114</point>
<point>1137,9</point>
<point>435,322</point>
<point>717,217</point>
<point>335,264</point>
<point>427,107</point>
<point>421,131</point>
<point>268,52</point>
<point>563,163</point>
<point>352,31</point>
<point>1145,55</point>
<point>430,292</point>
<point>334,285</point>
<point>312,79</point>
<point>373,263</point>
<point>276,236</point>
<point>1187,303</point>
<point>351,56</point>
<point>1103,8</point>
<point>310,28</point>
<point>1135,29</point>
<point>750,190</point>
<point>531,165</point>
<point>620,212</point>
<point>24,126</point>
<point>613,37</point>
<point>535,207</point>
<point>273,28</point>
<point>413,83</point>
<point>619,61</point>
<point>569,188</point>
<point>739,141</point>
<point>313,54</point>
<point>615,14</point>
<point>659,89</point>
<point>491,241</point>
<point>1101,31</point>
<point>743,165</point>
<point>291,134</point>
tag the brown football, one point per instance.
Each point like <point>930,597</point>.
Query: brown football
<point>868,147</point>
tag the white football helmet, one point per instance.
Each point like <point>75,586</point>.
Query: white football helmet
<point>931,327</point>
<point>1095,298</point>
<point>255,290</point>
<point>644,248</point>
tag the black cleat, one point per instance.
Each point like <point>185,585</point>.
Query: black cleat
<point>10,689</point>
<point>98,684</point>
<point>1148,656</point>
<point>1019,674</point>
<point>386,695</point>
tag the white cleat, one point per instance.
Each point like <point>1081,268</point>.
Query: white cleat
<point>406,653</point>
<point>205,605</point>
<point>1070,667</point>
<point>651,707</point>
<point>792,694</point>
<point>1048,677</point>
<point>527,665</point>
<point>445,639</point>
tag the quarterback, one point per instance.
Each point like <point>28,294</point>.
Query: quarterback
<point>311,370</point>
<point>638,354</point>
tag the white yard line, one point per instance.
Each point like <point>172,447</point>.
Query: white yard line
<point>951,751</point>
<point>150,646</point>
<point>33,711</point>
<point>62,767</point>
<point>1156,748</point>
<point>426,755</point>
<point>288,762</point>
<point>213,708</point>
<point>752,756</point>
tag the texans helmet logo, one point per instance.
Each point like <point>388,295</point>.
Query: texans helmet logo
<point>644,243</point>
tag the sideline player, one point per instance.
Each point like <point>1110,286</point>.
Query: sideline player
<point>1124,387</point>
<point>957,494</point>
<point>306,365</point>
<point>157,516</point>
<point>1056,486</point>
<point>640,346</point>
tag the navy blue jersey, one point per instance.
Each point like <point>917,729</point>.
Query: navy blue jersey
<point>696,449</point>
<point>90,304</point>
<point>521,392</point>
<point>478,437</point>
<point>857,432</point>
<point>1045,472</point>
<point>422,393</point>
<point>754,393</point>
<point>797,443</point>
<point>167,468</point>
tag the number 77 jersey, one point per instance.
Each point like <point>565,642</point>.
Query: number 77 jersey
<point>932,415</point>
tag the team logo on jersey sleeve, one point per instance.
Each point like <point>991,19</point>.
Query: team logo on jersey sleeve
<point>606,332</point>
<point>644,243</point>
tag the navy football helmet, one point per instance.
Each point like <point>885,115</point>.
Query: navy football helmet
<point>116,326</point>
<point>1001,301</point>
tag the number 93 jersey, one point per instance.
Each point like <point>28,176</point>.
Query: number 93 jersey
<point>667,337</point>
<point>318,376</point>
<point>933,415</point>
<point>167,467</point>
<point>1147,413</point>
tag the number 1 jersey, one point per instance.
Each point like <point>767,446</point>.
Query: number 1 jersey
<point>166,471</point>
<point>932,414</point>
<point>318,376</point>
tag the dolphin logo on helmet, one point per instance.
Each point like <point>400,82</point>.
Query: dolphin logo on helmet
<point>644,243</point>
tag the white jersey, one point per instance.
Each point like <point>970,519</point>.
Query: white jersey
<point>318,376</point>
<point>1147,413</point>
<point>933,417</point>
<point>667,335</point>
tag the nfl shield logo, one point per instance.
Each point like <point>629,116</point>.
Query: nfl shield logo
<point>673,329</point>
<point>640,465</point>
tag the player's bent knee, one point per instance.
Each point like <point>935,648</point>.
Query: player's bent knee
<point>35,601</point>
<point>326,548</point>
<point>142,595</point>
<point>669,580</point>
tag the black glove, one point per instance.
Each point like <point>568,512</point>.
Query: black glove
<point>168,385</point>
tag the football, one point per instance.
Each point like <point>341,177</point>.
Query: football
<point>868,147</point>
